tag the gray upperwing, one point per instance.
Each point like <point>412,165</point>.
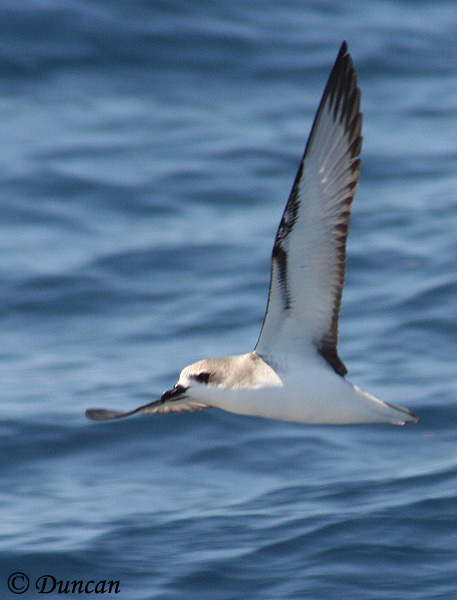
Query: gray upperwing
<point>173,400</point>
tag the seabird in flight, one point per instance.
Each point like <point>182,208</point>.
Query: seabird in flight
<point>294,373</point>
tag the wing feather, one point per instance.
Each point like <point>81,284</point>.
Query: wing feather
<point>309,254</point>
<point>173,401</point>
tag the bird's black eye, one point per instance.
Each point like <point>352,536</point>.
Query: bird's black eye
<point>201,377</point>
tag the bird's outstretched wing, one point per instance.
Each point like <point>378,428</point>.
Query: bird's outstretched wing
<point>174,400</point>
<point>309,254</point>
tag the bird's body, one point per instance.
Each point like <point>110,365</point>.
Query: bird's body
<point>294,390</point>
<point>294,373</point>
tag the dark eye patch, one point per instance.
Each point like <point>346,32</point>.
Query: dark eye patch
<point>202,377</point>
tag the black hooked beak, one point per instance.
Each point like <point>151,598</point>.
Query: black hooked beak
<point>174,394</point>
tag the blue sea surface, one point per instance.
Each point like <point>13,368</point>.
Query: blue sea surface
<point>147,152</point>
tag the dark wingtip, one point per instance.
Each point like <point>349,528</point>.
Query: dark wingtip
<point>344,47</point>
<point>102,414</point>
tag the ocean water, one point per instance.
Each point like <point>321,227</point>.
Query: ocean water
<point>147,151</point>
